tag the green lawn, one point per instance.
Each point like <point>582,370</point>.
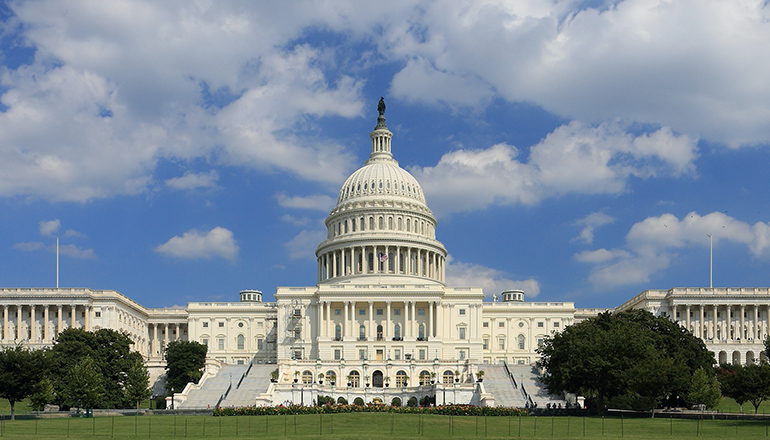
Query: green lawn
<point>378,426</point>
<point>728,405</point>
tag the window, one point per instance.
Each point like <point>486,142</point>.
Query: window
<point>259,324</point>
<point>397,312</point>
<point>424,377</point>
<point>205,341</point>
<point>379,333</point>
<point>540,325</point>
<point>539,342</point>
<point>501,343</point>
<point>221,343</point>
<point>240,342</point>
<point>98,314</point>
<point>396,331</point>
<point>240,325</point>
<point>221,324</point>
<point>522,341</point>
<point>461,333</point>
<point>331,376</point>
<point>379,312</point>
<point>462,312</point>
<point>485,344</point>
<point>260,344</point>
<point>461,355</point>
<point>205,324</point>
<point>307,377</point>
<point>361,312</point>
<point>337,312</point>
<point>337,332</point>
<point>362,354</point>
<point>501,324</point>
<point>421,312</point>
<point>362,332</point>
<point>556,325</point>
<point>401,379</point>
<point>422,354</point>
<point>421,332</point>
<point>397,354</point>
<point>485,324</point>
<point>240,362</point>
<point>448,376</point>
<point>297,354</point>
<point>337,354</point>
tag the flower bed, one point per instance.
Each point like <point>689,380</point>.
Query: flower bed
<point>447,410</point>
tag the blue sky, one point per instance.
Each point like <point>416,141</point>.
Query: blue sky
<point>581,151</point>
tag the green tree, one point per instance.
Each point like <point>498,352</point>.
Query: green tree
<point>84,385</point>
<point>731,383</point>
<point>704,389</point>
<point>628,356</point>
<point>43,394</point>
<point>137,382</point>
<point>184,363</point>
<point>20,370</point>
<point>752,383</point>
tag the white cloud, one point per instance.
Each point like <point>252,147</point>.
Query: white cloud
<point>491,280</point>
<point>589,223</point>
<point>651,243</point>
<point>192,180</point>
<point>48,228</point>
<point>69,250</point>
<point>28,246</point>
<point>319,202</point>
<point>573,159</point>
<point>195,244</point>
<point>303,244</point>
<point>294,220</point>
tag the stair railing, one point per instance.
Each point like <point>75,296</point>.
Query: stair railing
<point>510,376</point>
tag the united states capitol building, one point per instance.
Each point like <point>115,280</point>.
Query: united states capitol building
<point>381,321</point>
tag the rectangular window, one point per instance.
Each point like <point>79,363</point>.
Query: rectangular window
<point>260,343</point>
<point>397,354</point>
<point>298,354</point>
<point>361,312</point>
<point>205,324</point>
<point>422,354</point>
<point>221,324</point>
<point>539,343</point>
<point>539,325</point>
<point>421,312</point>
<point>259,324</point>
<point>485,324</point>
<point>205,342</point>
<point>362,354</point>
<point>221,343</point>
<point>485,344</point>
<point>337,354</point>
<point>98,314</point>
<point>461,333</point>
<point>461,355</point>
<point>501,343</point>
<point>337,311</point>
<point>501,324</point>
<point>379,312</point>
<point>462,312</point>
<point>240,362</point>
<point>396,312</point>
<point>556,325</point>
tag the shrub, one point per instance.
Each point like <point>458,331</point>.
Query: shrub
<point>342,401</point>
<point>325,400</point>
<point>358,401</point>
<point>396,402</point>
<point>412,402</point>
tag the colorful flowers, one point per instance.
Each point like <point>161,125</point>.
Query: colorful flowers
<point>447,410</point>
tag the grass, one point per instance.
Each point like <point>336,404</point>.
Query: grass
<point>379,426</point>
<point>728,405</point>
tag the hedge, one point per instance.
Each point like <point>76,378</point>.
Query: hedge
<point>447,410</point>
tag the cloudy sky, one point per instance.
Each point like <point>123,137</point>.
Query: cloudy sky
<point>582,151</point>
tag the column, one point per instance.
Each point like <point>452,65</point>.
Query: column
<point>155,348</point>
<point>371,334</point>
<point>439,317</point>
<point>687,317</point>
<point>414,317</point>
<point>407,321</point>
<point>430,331</point>
<point>741,335</point>
<point>32,318</point>
<point>59,320</point>
<point>74,310</point>
<point>730,334</point>
<point>701,325</point>
<point>346,323</point>
<point>320,317</point>
<point>88,318</point>
<point>388,324</point>
<point>18,322</point>
<point>165,339</point>
<point>755,332</point>
<point>46,331</point>
<point>5,321</point>
<point>352,331</point>
<point>328,318</point>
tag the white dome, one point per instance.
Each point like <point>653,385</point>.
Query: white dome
<point>381,178</point>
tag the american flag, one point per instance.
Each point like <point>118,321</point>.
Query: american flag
<point>383,258</point>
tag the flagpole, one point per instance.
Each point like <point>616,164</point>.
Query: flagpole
<point>711,261</point>
<point>57,263</point>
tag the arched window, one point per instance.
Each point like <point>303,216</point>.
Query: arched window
<point>408,225</point>
<point>401,379</point>
<point>522,342</point>
<point>421,333</point>
<point>337,332</point>
<point>331,376</point>
<point>361,333</point>
<point>390,223</point>
<point>354,379</point>
<point>371,262</point>
<point>424,377</point>
<point>397,331</point>
<point>240,342</point>
<point>307,377</point>
<point>380,224</point>
<point>448,376</point>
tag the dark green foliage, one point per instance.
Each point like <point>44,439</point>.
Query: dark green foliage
<point>342,401</point>
<point>746,383</point>
<point>112,359</point>
<point>704,389</point>
<point>412,402</point>
<point>83,385</point>
<point>325,400</point>
<point>396,402</point>
<point>428,401</point>
<point>185,361</point>
<point>20,372</point>
<point>137,381</point>
<point>43,394</point>
<point>358,401</point>
<point>633,358</point>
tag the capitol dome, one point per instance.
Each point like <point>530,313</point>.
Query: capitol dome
<point>381,224</point>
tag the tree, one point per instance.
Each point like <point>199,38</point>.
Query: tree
<point>20,371</point>
<point>633,355</point>
<point>137,382</point>
<point>84,385</point>
<point>184,363</point>
<point>704,389</point>
<point>746,383</point>
<point>42,394</point>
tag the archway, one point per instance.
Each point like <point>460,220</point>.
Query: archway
<point>722,357</point>
<point>750,357</point>
<point>736,357</point>
<point>377,381</point>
